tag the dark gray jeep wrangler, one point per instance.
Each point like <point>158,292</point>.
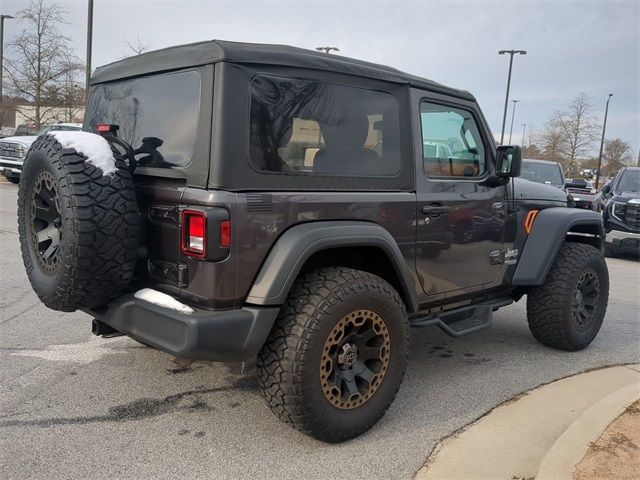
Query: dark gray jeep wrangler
<point>303,208</point>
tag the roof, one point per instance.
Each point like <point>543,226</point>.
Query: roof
<point>536,160</point>
<point>214,51</point>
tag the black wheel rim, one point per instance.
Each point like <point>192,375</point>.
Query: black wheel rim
<point>585,299</point>
<point>355,359</point>
<point>46,222</point>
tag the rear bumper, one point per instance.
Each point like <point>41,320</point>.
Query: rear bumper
<point>626,242</point>
<point>223,335</point>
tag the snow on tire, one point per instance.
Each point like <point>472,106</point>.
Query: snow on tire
<point>78,221</point>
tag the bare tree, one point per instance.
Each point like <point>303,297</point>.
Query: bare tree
<point>617,154</point>
<point>69,95</point>
<point>136,47</point>
<point>579,129</point>
<point>550,141</point>
<point>40,59</point>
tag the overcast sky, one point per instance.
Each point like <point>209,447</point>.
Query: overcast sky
<point>572,46</point>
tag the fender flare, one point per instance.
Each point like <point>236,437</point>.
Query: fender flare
<point>547,235</point>
<point>295,246</point>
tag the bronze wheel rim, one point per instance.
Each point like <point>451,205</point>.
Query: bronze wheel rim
<point>355,359</point>
<point>584,302</point>
<point>46,222</point>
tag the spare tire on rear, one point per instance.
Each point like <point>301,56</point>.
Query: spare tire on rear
<point>79,225</point>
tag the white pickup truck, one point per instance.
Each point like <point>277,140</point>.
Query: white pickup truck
<point>13,150</point>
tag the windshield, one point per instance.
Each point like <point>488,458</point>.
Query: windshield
<point>630,181</point>
<point>542,173</point>
<point>24,130</point>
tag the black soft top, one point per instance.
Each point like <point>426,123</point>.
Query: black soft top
<point>214,51</point>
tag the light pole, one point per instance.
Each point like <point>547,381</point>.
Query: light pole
<point>506,99</point>
<point>327,49</point>
<point>2,17</point>
<point>604,128</point>
<point>513,114</point>
<point>89,46</point>
<point>524,129</point>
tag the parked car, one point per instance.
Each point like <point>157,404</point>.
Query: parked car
<point>543,171</point>
<point>582,192</point>
<point>291,217</point>
<point>620,206</point>
<point>14,149</point>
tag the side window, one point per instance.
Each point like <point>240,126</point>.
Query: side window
<point>451,142</point>
<point>304,126</point>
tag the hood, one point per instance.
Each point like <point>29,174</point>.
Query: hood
<point>526,190</point>
<point>626,196</point>
<point>25,140</point>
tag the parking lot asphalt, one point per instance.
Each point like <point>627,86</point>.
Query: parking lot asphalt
<point>77,406</point>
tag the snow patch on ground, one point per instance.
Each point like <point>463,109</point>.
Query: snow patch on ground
<point>92,146</point>
<point>162,300</point>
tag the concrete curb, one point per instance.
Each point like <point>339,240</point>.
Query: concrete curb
<point>571,446</point>
<point>514,438</point>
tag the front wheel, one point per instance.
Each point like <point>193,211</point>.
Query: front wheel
<point>12,178</point>
<point>566,312</point>
<point>336,356</point>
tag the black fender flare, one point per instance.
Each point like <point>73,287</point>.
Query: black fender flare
<point>549,230</point>
<point>289,253</point>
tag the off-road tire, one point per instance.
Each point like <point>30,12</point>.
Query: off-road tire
<point>553,318</point>
<point>12,178</point>
<point>289,364</point>
<point>98,224</point>
<point>609,251</point>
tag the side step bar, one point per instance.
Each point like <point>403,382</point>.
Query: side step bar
<point>463,320</point>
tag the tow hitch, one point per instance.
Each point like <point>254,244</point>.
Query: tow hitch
<point>101,329</point>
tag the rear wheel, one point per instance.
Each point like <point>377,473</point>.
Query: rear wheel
<point>566,312</point>
<point>335,359</point>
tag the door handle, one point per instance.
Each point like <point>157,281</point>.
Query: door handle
<point>435,209</point>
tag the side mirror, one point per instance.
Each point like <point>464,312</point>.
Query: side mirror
<point>508,161</point>
<point>606,189</point>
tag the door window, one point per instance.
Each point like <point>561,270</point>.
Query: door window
<point>451,142</point>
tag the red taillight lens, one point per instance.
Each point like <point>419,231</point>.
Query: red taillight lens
<point>225,233</point>
<point>106,128</point>
<point>193,233</point>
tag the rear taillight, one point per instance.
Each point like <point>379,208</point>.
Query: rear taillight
<point>194,227</point>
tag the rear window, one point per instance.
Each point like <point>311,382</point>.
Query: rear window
<point>303,126</point>
<point>157,115</point>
